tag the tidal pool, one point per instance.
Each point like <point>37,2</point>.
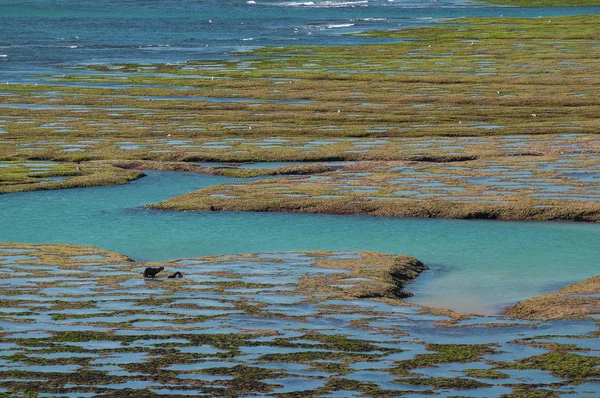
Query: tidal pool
<point>480,266</point>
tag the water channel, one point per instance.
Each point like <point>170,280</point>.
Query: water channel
<point>480,266</point>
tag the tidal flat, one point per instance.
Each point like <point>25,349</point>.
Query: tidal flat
<point>81,321</point>
<point>521,188</point>
<point>469,118</point>
<point>439,107</point>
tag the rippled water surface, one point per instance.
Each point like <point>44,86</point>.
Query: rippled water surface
<point>476,265</point>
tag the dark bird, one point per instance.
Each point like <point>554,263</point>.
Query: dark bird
<point>151,272</point>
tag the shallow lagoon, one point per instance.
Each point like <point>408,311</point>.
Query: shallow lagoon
<point>480,266</point>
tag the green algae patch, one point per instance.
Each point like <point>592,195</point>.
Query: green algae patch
<point>563,364</point>
<point>486,374</point>
<point>543,3</point>
<point>578,300</point>
<point>524,391</point>
<point>33,176</point>
<point>341,343</point>
<point>228,170</point>
<point>455,383</point>
<point>444,353</point>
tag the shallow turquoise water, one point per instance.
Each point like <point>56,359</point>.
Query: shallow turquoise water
<point>476,265</point>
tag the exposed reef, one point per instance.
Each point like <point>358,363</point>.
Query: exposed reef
<point>578,300</point>
<point>78,320</point>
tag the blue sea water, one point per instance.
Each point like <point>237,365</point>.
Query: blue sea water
<point>44,36</point>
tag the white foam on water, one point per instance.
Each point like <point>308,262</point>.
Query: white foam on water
<point>330,26</point>
<point>325,4</point>
<point>342,25</point>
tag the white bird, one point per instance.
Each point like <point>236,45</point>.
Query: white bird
<point>533,114</point>
<point>168,135</point>
<point>460,122</point>
<point>338,111</point>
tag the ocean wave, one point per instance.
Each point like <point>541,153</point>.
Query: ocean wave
<point>151,46</point>
<point>329,26</point>
<point>297,4</point>
<point>325,4</point>
<point>341,25</point>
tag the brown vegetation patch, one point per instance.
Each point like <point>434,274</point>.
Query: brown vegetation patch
<point>372,275</point>
<point>574,301</point>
